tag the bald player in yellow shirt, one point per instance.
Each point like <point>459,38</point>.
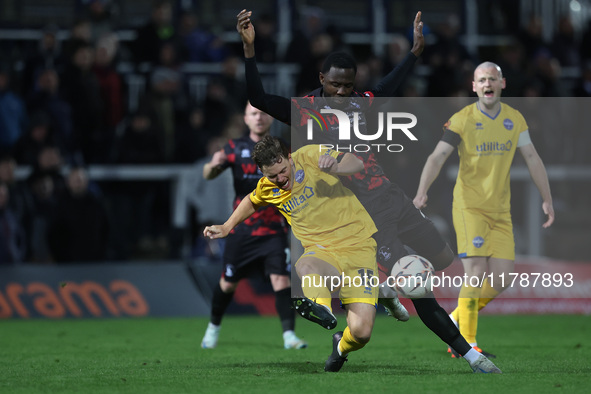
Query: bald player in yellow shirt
<point>335,231</point>
<point>487,134</point>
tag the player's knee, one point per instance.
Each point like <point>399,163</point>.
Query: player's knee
<point>443,259</point>
<point>361,331</point>
<point>228,287</point>
<point>361,334</point>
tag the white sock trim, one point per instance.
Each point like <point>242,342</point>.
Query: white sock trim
<point>472,356</point>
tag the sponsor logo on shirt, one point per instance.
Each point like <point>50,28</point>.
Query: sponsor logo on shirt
<point>487,148</point>
<point>276,192</point>
<point>299,201</point>
<point>479,126</point>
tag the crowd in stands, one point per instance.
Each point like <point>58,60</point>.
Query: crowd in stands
<point>67,107</point>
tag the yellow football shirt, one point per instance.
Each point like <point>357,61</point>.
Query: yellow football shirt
<point>488,145</point>
<point>319,208</point>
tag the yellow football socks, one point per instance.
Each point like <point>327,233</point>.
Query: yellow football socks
<point>468,312</point>
<point>487,294</point>
<point>313,289</point>
<point>348,343</point>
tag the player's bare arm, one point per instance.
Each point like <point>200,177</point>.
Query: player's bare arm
<point>244,210</point>
<point>349,165</point>
<point>246,30</point>
<point>538,174</point>
<point>214,167</point>
<point>430,172</point>
<point>418,43</point>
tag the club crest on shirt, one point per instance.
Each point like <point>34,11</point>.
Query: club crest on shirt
<point>229,271</point>
<point>299,176</point>
<point>384,252</point>
<point>478,241</point>
<point>508,123</point>
<point>245,153</point>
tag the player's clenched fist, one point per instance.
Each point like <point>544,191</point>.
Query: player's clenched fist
<point>215,231</point>
<point>326,162</point>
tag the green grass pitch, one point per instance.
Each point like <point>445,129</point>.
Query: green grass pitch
<point>538,354</point>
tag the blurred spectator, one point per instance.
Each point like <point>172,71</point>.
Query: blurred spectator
<point>12,112</point>
<point>17,201</point>
<point>265,45</point>
<point>192,137</point>
<point>50,162</point>
<point>233,82</point>
<point>512,63</point>
<point>47,99</point>
<point>311,24</point>
<point>585,47</point>
<point>80,35</point>
<point>583,86</point>
<point>151,36</point>
<point>111,89</point>
<point>140,143</point>
<point>39,134</point>
<point>200,44</point>
<point>79,228</point>
<point>133,202</point>
<point>448,58</point>
<point>82,90</point>
<point>547,71</point>
<point>564,47</point>
<point>320,46</point>
<point>100,15</point>
<point>531,37</point>
<point>167,99</point>
<point>43,199</point>
<point>48,55</point>
<point>12,241</point>
<point>217,105</point>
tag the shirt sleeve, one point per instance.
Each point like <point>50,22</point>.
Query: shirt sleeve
<point>256,196</point>
<point>392,81</point>
<point>276,106</point>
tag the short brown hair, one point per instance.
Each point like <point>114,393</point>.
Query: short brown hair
<point>268,151</point>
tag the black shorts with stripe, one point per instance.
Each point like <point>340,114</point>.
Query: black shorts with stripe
<point>246,255</point>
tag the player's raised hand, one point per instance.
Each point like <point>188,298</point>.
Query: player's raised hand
<point>245,28</point>
<point>215,231</point>
<point>326,163</point>
<point>418,43</point>
<point>219,158</point>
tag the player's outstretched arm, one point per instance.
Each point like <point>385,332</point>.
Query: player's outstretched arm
<point>244,210</point>
<point>430,172</point>
<point>349,164</point>
<point>538,174</point>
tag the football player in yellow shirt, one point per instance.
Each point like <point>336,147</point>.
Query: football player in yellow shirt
<point>335,231</point>
<point>487,134</point>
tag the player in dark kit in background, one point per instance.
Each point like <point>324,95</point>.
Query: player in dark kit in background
<point>395,216</point>
<point>260,243</point>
